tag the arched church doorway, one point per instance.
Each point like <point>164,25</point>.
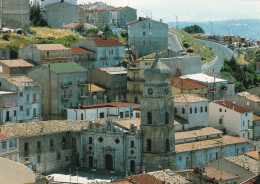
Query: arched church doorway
<point>109,162</point>
<point>132,166</point>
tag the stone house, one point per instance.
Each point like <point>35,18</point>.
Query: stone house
<point>109,52</point>
<point>15,14</point>
<point>4,53</point>
<point>9,147</point>
<point>97,95</point>
<point>63,85</point>
<point>104,110</point>
<point>9,107</point>
<point>122,15</point>
<point>148,36</point>
<point>14,67</point>
<point>60,14</point>
<point>113,79</point>
<point>46,53</point>
<point>82,56</point>
<point>235,119</point>
<point>28,98</point>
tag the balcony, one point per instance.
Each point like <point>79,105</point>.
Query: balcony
<point>66,84</point>
<point>9,104</point>
<point>66,97</point>
<point>250,127</point>
<point>83,83</point>
<point>134,92</point>
<point>82,96</point>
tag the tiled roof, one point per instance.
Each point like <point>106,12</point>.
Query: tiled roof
<point>126,123</point>
<point>98,9</point>
<point>207,131</point>
<point>188,98</point>
<point>137,21</point>
<point>218,175</point>
<point>66,67</point>
<point>79,50</point>
<point>137,108</point>
<point>253,154</point>
<point>230,105</point>
<point>118,9</point>
<point>110,104</point>
<point>249,96</point>
<point>185,83</point>
<point>16,63</point>
<point>50,47</point>
<point>46,127</point>
<point>205,144</point>
<point>2,136</point>
<point>95,88</point>
<point>105,42</point>
<point>21,81</point>
<point>255,117</point>
<point>245,162</point>
<point>168,176</point>
<point>145,179</point>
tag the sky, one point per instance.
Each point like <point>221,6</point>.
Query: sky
<point>190,10</point>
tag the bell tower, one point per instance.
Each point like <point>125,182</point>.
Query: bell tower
<point>157,119</point>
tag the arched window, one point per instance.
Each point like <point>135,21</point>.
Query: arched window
<point>175,110</point>
<point>167,148</point>
<point>183,110</point>
<point>166,118</point>
<point>149,118</point>
<point>148,145</point>
<point>190,110</point>
<point>206,109</point>
<point>201,109</point>
<point>195,110</point>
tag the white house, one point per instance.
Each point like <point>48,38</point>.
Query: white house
<point>232,117</point>
<point>105,110</point>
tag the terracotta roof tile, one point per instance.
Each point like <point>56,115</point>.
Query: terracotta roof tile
<point>145,179</point>
<point>185,83</point>
<point>79,50</point>
<point>2,136</point>
<point>230,105</point>
<point>126,123</point>
<point>105,42</point>
<point>51,47</point>
<point>21,81</point>
<point>217,174</point>
<point>253,154</point>
<point>255,117</point>
<point>118,8</point>
<point>16,63</point>
<point>188,98</point>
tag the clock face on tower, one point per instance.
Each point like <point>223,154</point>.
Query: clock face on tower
<point>150,91</point>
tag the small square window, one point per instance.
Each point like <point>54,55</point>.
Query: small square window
<point>220,109</point>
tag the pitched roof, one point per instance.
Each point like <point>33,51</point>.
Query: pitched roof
<point>110,104</point>
<point>188,98</point>
<point>95,88</point>
<point>249,96</point>
<point>66,67</point>
<point>118,8</point>
<point>253,154</point>
<point>2,136</point>
<point>141,19</point>
<point>97,9</point>
<point>185,83</point>
<point>255,117</point>
<point>126,123</point>
<point>80,50</point>
<point>218,175</point>
<point>230,105</point>
<point>51,47</point>
<point>105,42</point>
<point>16,63</point>
<point>205,144</point>
<point>21,81</point>
<point>197,133</point>
<point>145,179</point>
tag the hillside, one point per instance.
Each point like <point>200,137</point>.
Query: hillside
<point>199,48</point>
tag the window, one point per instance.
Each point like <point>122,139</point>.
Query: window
<point>26,146</point>
<point>137,115</point>
<point>167,146</point>
<point>243,123</point>
<point>166,118</point>
<point>144,42</point>
<point>220,109</point>
<point>144,33</point>
<point>51,143</point>
<point>28,98</point>
<point>58,156</point>
<point>48,54</point>
<point>64,143</point>
<point>220,121</point>
<point>28,111</point>
<point>73,142</point>
<point>206,109</point>
<point>21,108</point>
<point>143,25</point>
<point>187,161</point>
<point>195,110</point>
<point>14,113</point>
<point>38,144</point>
<point>90,140</point>
<point>201,109</point>
<point>12,143</point>
<point>34,98</point>
<point>82,115</point>
<point>132,144</point>
<point>149,118</point>
<point>126,114</point>
<point>21,93</point>
<point>183,110</point>
<point>39,159</point>
<point>149,145</point>
<point>190,110</point>
<point>175,110</point>
<point>4,145</point>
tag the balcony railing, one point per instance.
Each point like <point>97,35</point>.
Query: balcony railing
<point>66,97</point>
<point>83,83</point>
<point>82,96</point>
<point>9,104</point>
<point>250,127</point>
<point>66,84</point>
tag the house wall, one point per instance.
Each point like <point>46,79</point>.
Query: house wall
<point>8,105</point>
<point>148,36</point>
<point>12,149</point>
<point>126,15</point>
<point>60,14</point>
<point>5,53</point>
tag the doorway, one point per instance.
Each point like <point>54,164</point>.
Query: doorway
<point>109,162</point>
<point>132,166</point>
<point>90,161</point>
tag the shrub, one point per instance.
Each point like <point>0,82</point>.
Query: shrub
<point>6,36</point>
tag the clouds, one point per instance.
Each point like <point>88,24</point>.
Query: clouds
<point>192,10</point>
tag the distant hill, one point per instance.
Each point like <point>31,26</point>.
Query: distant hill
<point>248,28</point>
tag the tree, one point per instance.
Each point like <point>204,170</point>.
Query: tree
<point>36,16</point>
<point>193,29</point>
<point>80,28</point>
<point>257,56</point>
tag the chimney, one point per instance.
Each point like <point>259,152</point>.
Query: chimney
<point>258,162</point>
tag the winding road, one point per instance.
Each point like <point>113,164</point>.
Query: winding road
<point>173,42</point>
<point>221,51</point>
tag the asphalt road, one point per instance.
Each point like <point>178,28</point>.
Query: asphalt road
<point>173,42</point>
<point>222,52</point>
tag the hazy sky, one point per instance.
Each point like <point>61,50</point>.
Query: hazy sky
<point>191,10</point>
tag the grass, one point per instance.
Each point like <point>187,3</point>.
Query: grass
<point>199,48</point>
<point>46,32</point>
<point>241,60</point>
